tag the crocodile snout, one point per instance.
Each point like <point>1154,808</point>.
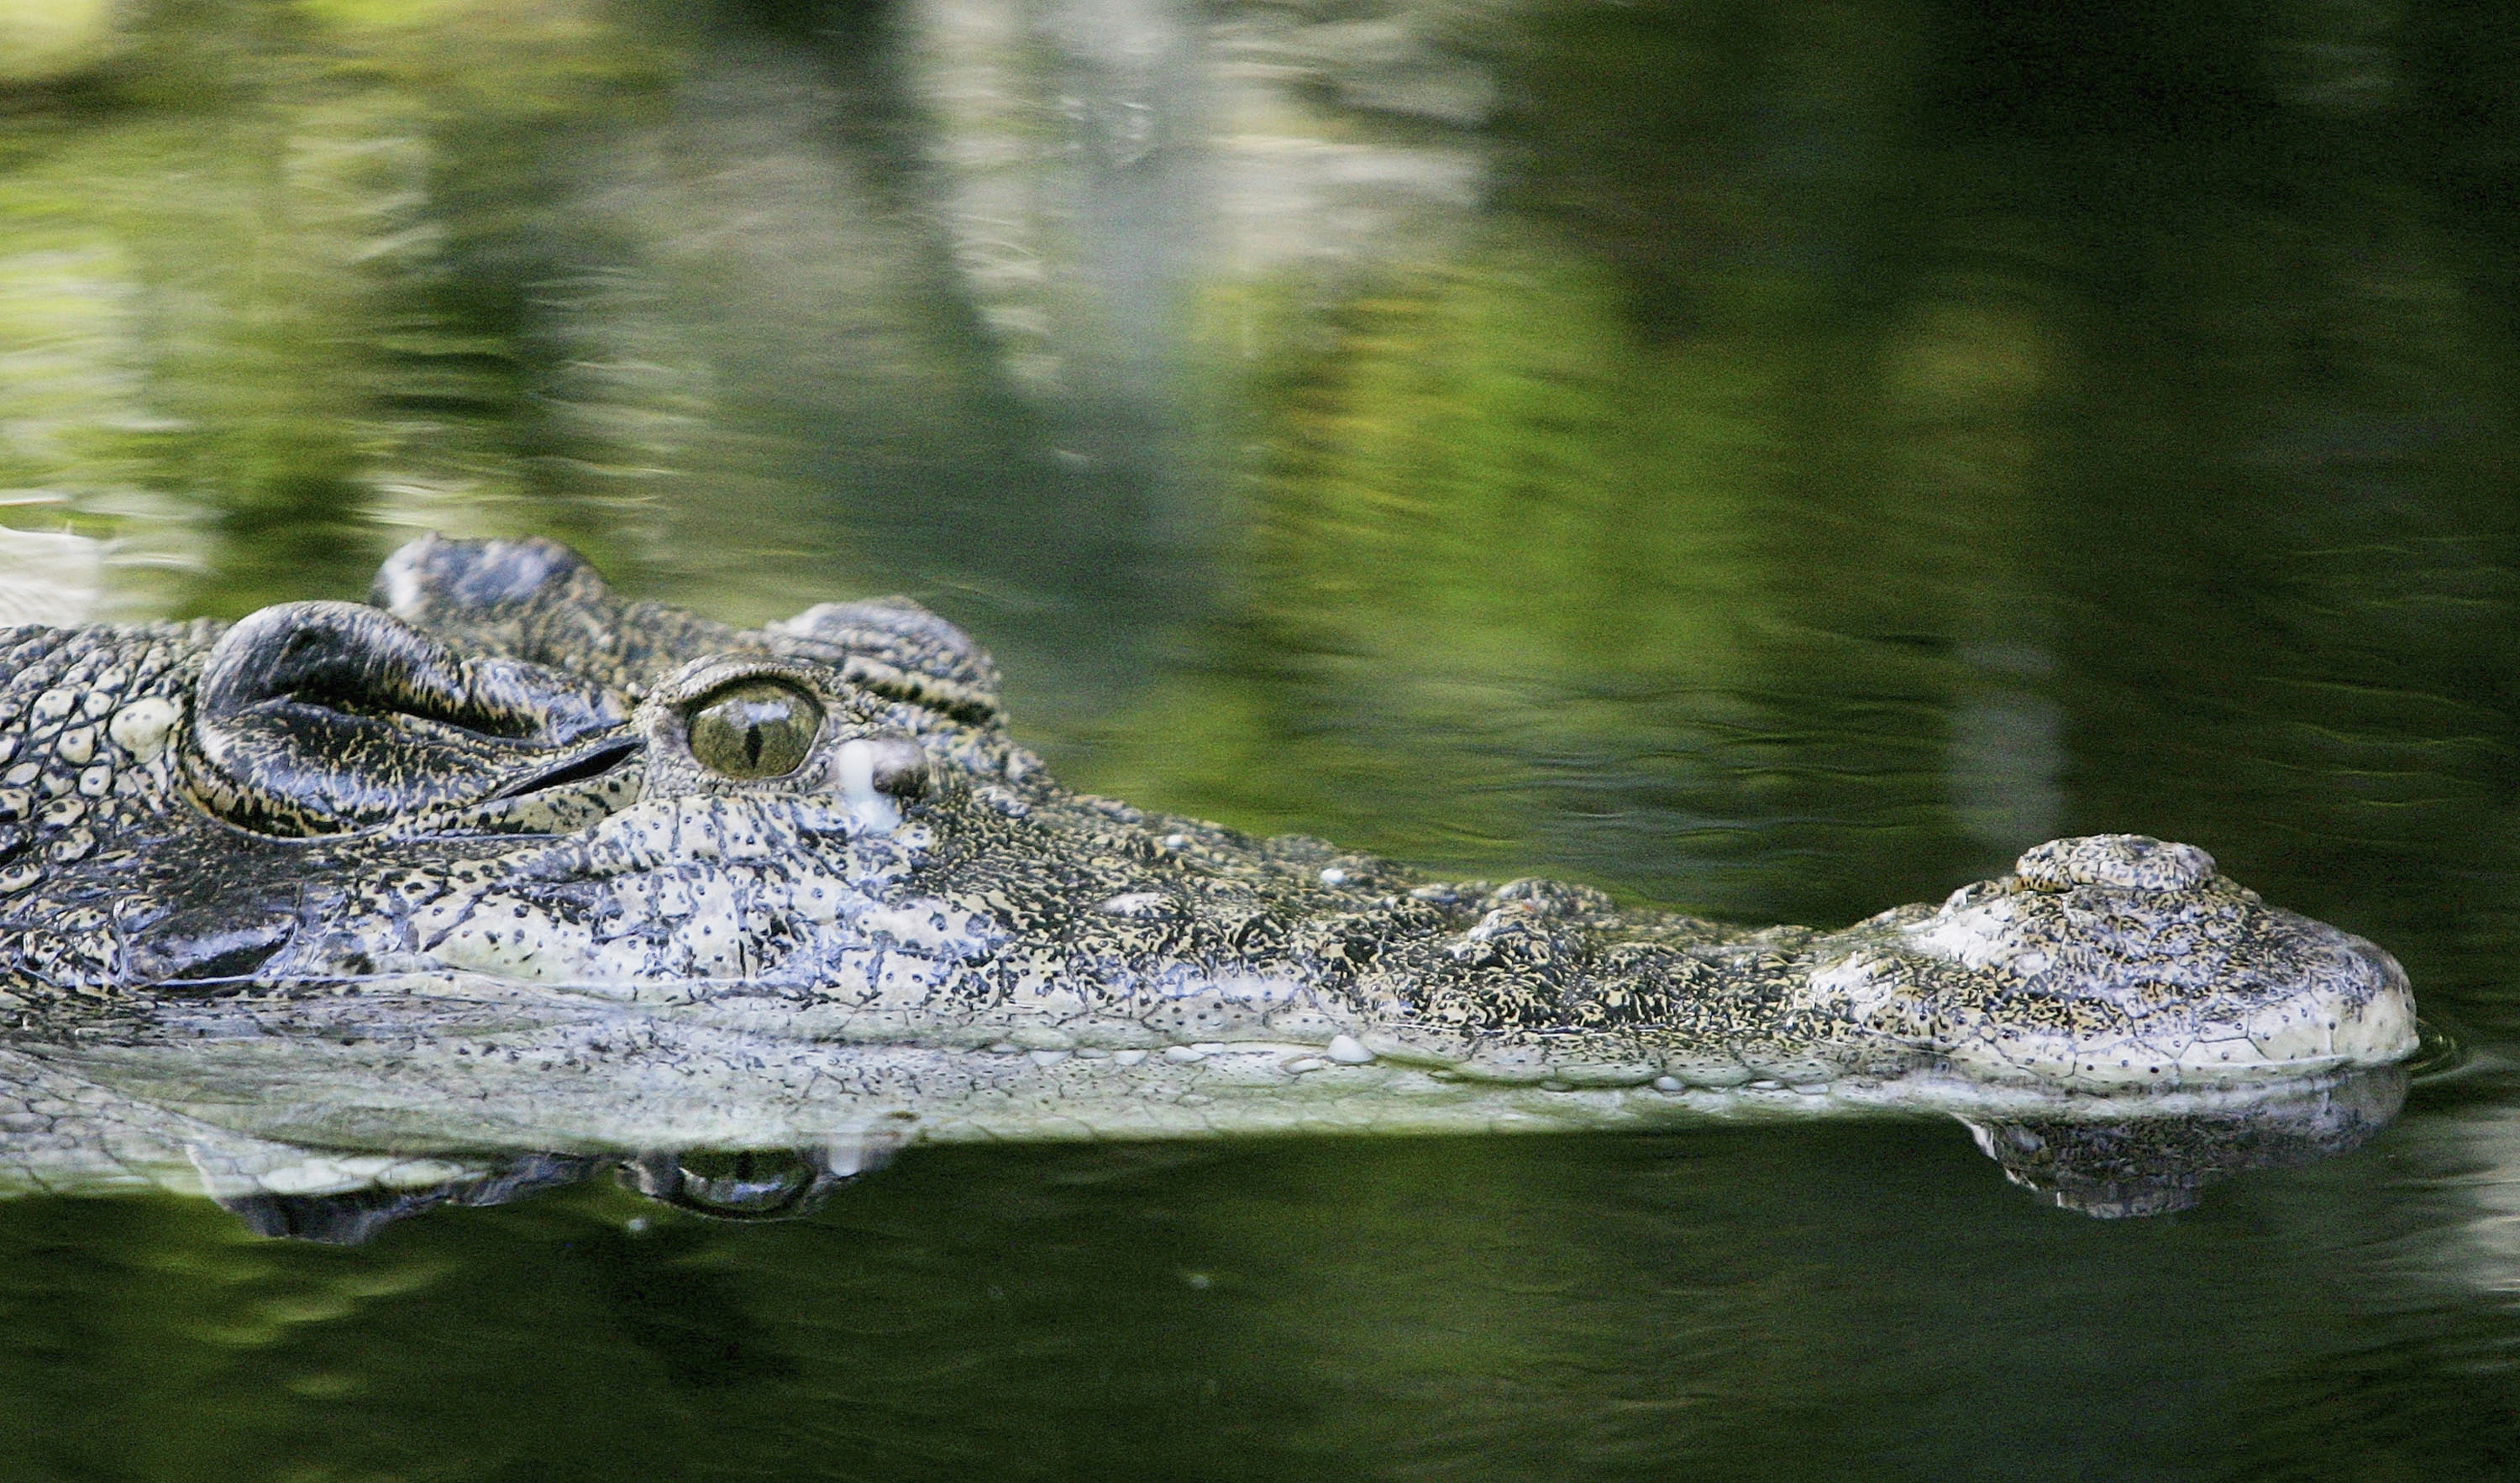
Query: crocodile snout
<point>2119,962</point>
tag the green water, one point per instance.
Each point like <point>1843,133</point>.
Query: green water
<point>1774,460</point>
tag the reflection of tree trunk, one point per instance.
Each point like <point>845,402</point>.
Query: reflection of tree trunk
<point>1964,386</point>
<point>2008,752</point>
<point>1118,175</point>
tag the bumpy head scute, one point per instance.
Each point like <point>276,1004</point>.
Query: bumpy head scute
<point>896,646</point>
<point>538,600</point>
<point>434,577</point>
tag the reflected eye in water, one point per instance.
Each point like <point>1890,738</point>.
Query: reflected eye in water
<point>734,1183</point>
<point>754,728</point>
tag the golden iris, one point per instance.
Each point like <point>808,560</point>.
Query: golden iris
<point>754,728</point>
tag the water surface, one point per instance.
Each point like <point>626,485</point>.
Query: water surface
<point>1770,460</point>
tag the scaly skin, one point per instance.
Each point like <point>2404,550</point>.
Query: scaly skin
<point>468,825</point>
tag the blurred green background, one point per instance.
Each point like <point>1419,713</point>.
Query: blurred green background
<point>1772,459</point>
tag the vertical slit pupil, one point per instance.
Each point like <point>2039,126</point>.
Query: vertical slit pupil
<point>754,728</point>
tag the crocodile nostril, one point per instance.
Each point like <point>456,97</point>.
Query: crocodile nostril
<point>2129,861</point>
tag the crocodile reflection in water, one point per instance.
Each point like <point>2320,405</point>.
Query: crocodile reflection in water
<point>502,860</point>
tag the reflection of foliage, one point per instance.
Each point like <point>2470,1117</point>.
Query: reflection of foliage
<point>1667,537</point>
<point>1513,563</point>
<point>1723,157</point>
<point>2440,1405</point>
<point>1743,1302</point>
<point>1768,541</point>
<point>658,280</point>
<point>202,254</point>
<point>2302,647</point>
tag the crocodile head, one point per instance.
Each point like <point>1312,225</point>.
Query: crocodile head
<point>497,764</point>
<point>499,772</point>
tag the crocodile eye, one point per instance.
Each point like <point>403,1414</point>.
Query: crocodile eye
<point>754,728</point>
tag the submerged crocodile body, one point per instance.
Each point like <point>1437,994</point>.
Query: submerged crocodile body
<point>501,859</point>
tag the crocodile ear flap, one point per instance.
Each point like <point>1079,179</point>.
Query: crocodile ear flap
<point>312,718</point>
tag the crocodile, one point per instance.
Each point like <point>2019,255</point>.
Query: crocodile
<point>501,858</point>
